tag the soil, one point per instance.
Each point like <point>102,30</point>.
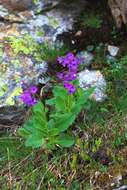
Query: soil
<point>107,33</point>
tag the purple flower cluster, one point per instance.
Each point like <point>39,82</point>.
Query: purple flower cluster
<point>28,96</point>
<point>71,62</point>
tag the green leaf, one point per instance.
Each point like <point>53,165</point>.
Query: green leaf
<point>29,125</point>
<point>34,125</point>
<point>60,91</point>
<point>35,141</point>
<point>52,130</point>
<point>88,92</point>
<point>38,108</point>
<point>82,100</point>
<point>39,116</point>
<point>51,124</point>
<point>23,132</point>
<point>65,141</point>
<point>125,135</point>
<point>63,121</point>
<point>75,82</point>
<point>60,104</point>
<point>50,102</point>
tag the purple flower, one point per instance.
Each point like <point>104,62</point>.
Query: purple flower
<point>70,87</point>
<point>60,76</point>
<point>71,62</point>
<point>66,62</point>
<point>27,96</point>
<point>67,76</point>
<point>33,89</point>
<point>60,60</point>
<point>34,101</point>
<point>70,76</point>
<point>70,56</point>
<point>73,69</point>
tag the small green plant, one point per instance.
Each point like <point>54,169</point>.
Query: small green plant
<point>26,45</point>
<point>35,1</point>
<point>114,32</point>
<point>97,145</point>
<point>50,52</point>
<point>118,67</point>
<point>99,53</point>
<point>47,128</point>
<point>92,20</point>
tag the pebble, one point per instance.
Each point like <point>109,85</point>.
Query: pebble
<point>113,50</point>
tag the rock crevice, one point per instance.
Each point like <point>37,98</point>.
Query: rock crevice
<point>119,11</point>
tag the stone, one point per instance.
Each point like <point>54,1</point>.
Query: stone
<point>14,75</point>
<point>23,5</point>
<point>124,187</point>
<point>45,5</point>
<point>11,116</point>
<point>86,58</point>
<point>3,11</point>
<point>116,181</point>
<point>16,5</point>
<point>119,11</point>
<point>88,79</point>
<point>113,50</point>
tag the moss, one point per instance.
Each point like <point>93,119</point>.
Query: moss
<point>91,20</point>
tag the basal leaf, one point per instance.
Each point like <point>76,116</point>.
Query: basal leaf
<point>63,121</point>
<point>23,132</point>
<point>38,108</point>
<point>29,125</point>
<point>50,102</point>
<point>65,140</point>
<point>60,91</point>
<point>39,116</point>
<point>60,104</point>
<point>35,141</point>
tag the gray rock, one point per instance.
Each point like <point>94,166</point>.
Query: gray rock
<point>113,50</point>
<point>37,5</point>
<point>44,5</point>
<point>95,79</point>
<point>3,11</point>
<point>86,58</point>
<point>16,5</point>
<point>124,187</point>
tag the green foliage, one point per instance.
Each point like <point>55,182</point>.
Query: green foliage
<point>118,68</point>
<point>25,45</point>
<point>91,20</point>
<point>28,46</point>
<point>115,32</point>
<point>50,52</point>
<point>49,128</point>
<point>35,1</point>
<point>99,57</point>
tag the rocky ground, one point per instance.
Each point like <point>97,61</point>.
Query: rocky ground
<point>32,35</point>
